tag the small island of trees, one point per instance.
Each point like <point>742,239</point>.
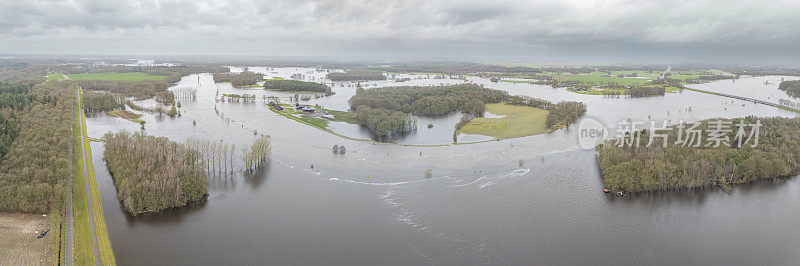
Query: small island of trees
<point>245,78</point>
<point>153,174</point>
<point>296,86</point>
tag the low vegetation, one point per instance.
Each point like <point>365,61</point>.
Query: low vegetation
<point>153,174</point>
<point>644,168</point>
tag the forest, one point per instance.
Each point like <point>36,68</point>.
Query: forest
<point>296,85</point>
<point>383,122</point>
<point>35,136</point>
<point>102,101</point>
<point>244,78</point>
<point>792,87</point>
<point>153,174</point>
<point>644,168</point>
<point>384,111</point>
<point>429,100</point>
<point>356,75</point>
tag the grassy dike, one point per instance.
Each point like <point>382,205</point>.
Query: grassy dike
<point>84,251</point>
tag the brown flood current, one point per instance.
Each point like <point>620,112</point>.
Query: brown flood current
<point>376,205</point>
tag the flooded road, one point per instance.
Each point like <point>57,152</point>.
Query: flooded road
<point>531,200</point>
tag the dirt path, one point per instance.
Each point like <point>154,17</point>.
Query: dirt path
<point>18,242</point>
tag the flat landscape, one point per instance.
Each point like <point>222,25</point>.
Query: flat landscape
<point>516,121</point>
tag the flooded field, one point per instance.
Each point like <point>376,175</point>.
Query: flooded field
<point>530,200</point>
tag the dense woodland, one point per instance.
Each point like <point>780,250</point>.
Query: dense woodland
<point>153,174</point>
<point>560,115</point>
<point>387,109</point>
<point>243,78</point>
<point>296,85</point>
<point>101,102</point>
<point>792,87</point>
<point>430,100</point>
<point>356,75</point>
<point>383,122</point>
<point>35,136</point>
<point>674,167</point>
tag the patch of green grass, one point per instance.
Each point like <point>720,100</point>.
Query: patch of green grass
<point>55,76</point>
<point>518,121</point>
<point>343,116</point>
<point>320,123</point>
<point>130,76</point>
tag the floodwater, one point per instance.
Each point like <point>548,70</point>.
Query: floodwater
<point>531,200</point>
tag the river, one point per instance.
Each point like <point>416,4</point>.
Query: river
<point>531,200</point>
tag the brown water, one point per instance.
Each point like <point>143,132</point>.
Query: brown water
<point>375,205</point>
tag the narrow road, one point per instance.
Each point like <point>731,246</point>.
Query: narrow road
<point>86,181</point>
<point>69,235</point>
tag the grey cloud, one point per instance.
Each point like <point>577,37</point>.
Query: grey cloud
<point>351,26</point>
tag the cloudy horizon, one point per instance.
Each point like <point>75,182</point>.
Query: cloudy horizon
<point>634,31</point>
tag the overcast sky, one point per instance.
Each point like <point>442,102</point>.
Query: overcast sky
<point>534,30</point>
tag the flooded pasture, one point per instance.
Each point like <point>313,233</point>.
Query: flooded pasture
<point>530,200</point>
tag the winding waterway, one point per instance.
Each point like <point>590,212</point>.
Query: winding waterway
<point>531,200</point>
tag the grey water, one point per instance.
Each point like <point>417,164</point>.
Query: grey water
<point>531,200</point>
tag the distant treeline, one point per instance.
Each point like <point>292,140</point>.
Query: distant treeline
<point>153,174</point>
<point>296,85</point>
<point>674,167</point>
<point>761,70</point>
<point>102,101</point>
<point>35,137</point>
<point>22,73</point>
<point>356,75</point>
<point>792,87</point>
<point>560,115</point>
<point>244,78</point>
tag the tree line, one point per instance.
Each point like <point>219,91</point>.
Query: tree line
<point>791,87</point>
<point>153,174</point>
<point>644,168</point>
<point>296,85</point>
<point>243,78</point>
<point>356,75</point>
<point>102,101</point>
<point>384,122</point>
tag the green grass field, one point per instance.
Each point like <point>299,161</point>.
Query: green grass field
<point>519,121</point>
<point>130,76</point>
<point>55,76</point>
